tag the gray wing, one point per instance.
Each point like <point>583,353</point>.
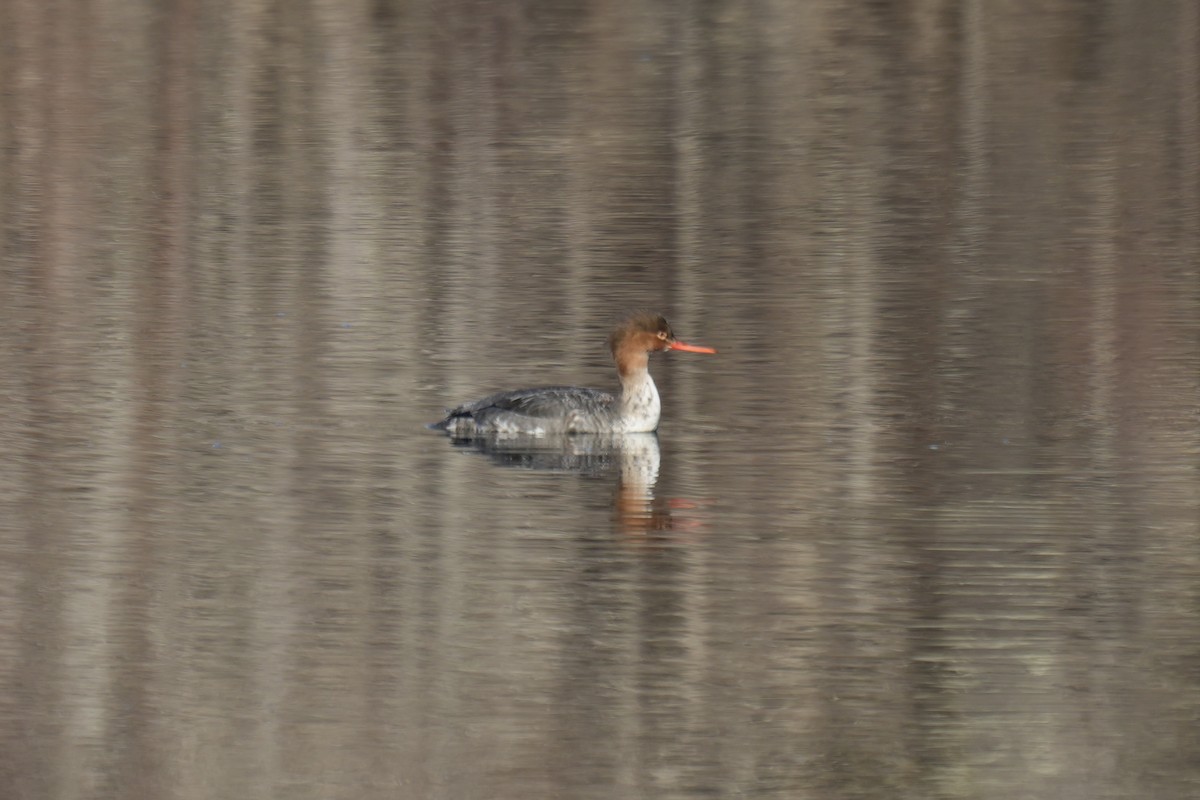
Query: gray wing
<point>549,401</point>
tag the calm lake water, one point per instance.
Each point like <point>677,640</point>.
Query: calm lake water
<point>927,527</point>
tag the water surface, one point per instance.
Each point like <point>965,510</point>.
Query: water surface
<point>925,528</point>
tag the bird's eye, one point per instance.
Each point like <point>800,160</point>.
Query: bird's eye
<point>662,335</point>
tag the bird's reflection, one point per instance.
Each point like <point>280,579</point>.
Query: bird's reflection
<point>634,458</point>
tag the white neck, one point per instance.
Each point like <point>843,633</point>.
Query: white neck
<point>640,405</point>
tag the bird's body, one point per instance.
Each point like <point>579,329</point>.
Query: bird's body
<point>571,409</point>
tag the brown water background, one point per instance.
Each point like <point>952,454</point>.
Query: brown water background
<point>927,527</point>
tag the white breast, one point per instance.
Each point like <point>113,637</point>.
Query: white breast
<point>640,405</point>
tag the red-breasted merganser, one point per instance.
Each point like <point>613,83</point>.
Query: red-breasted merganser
<point>570,409</point>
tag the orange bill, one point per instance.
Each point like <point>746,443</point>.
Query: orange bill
<point>690,348</point>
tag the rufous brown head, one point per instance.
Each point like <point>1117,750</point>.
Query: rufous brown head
<point>649,333</point>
